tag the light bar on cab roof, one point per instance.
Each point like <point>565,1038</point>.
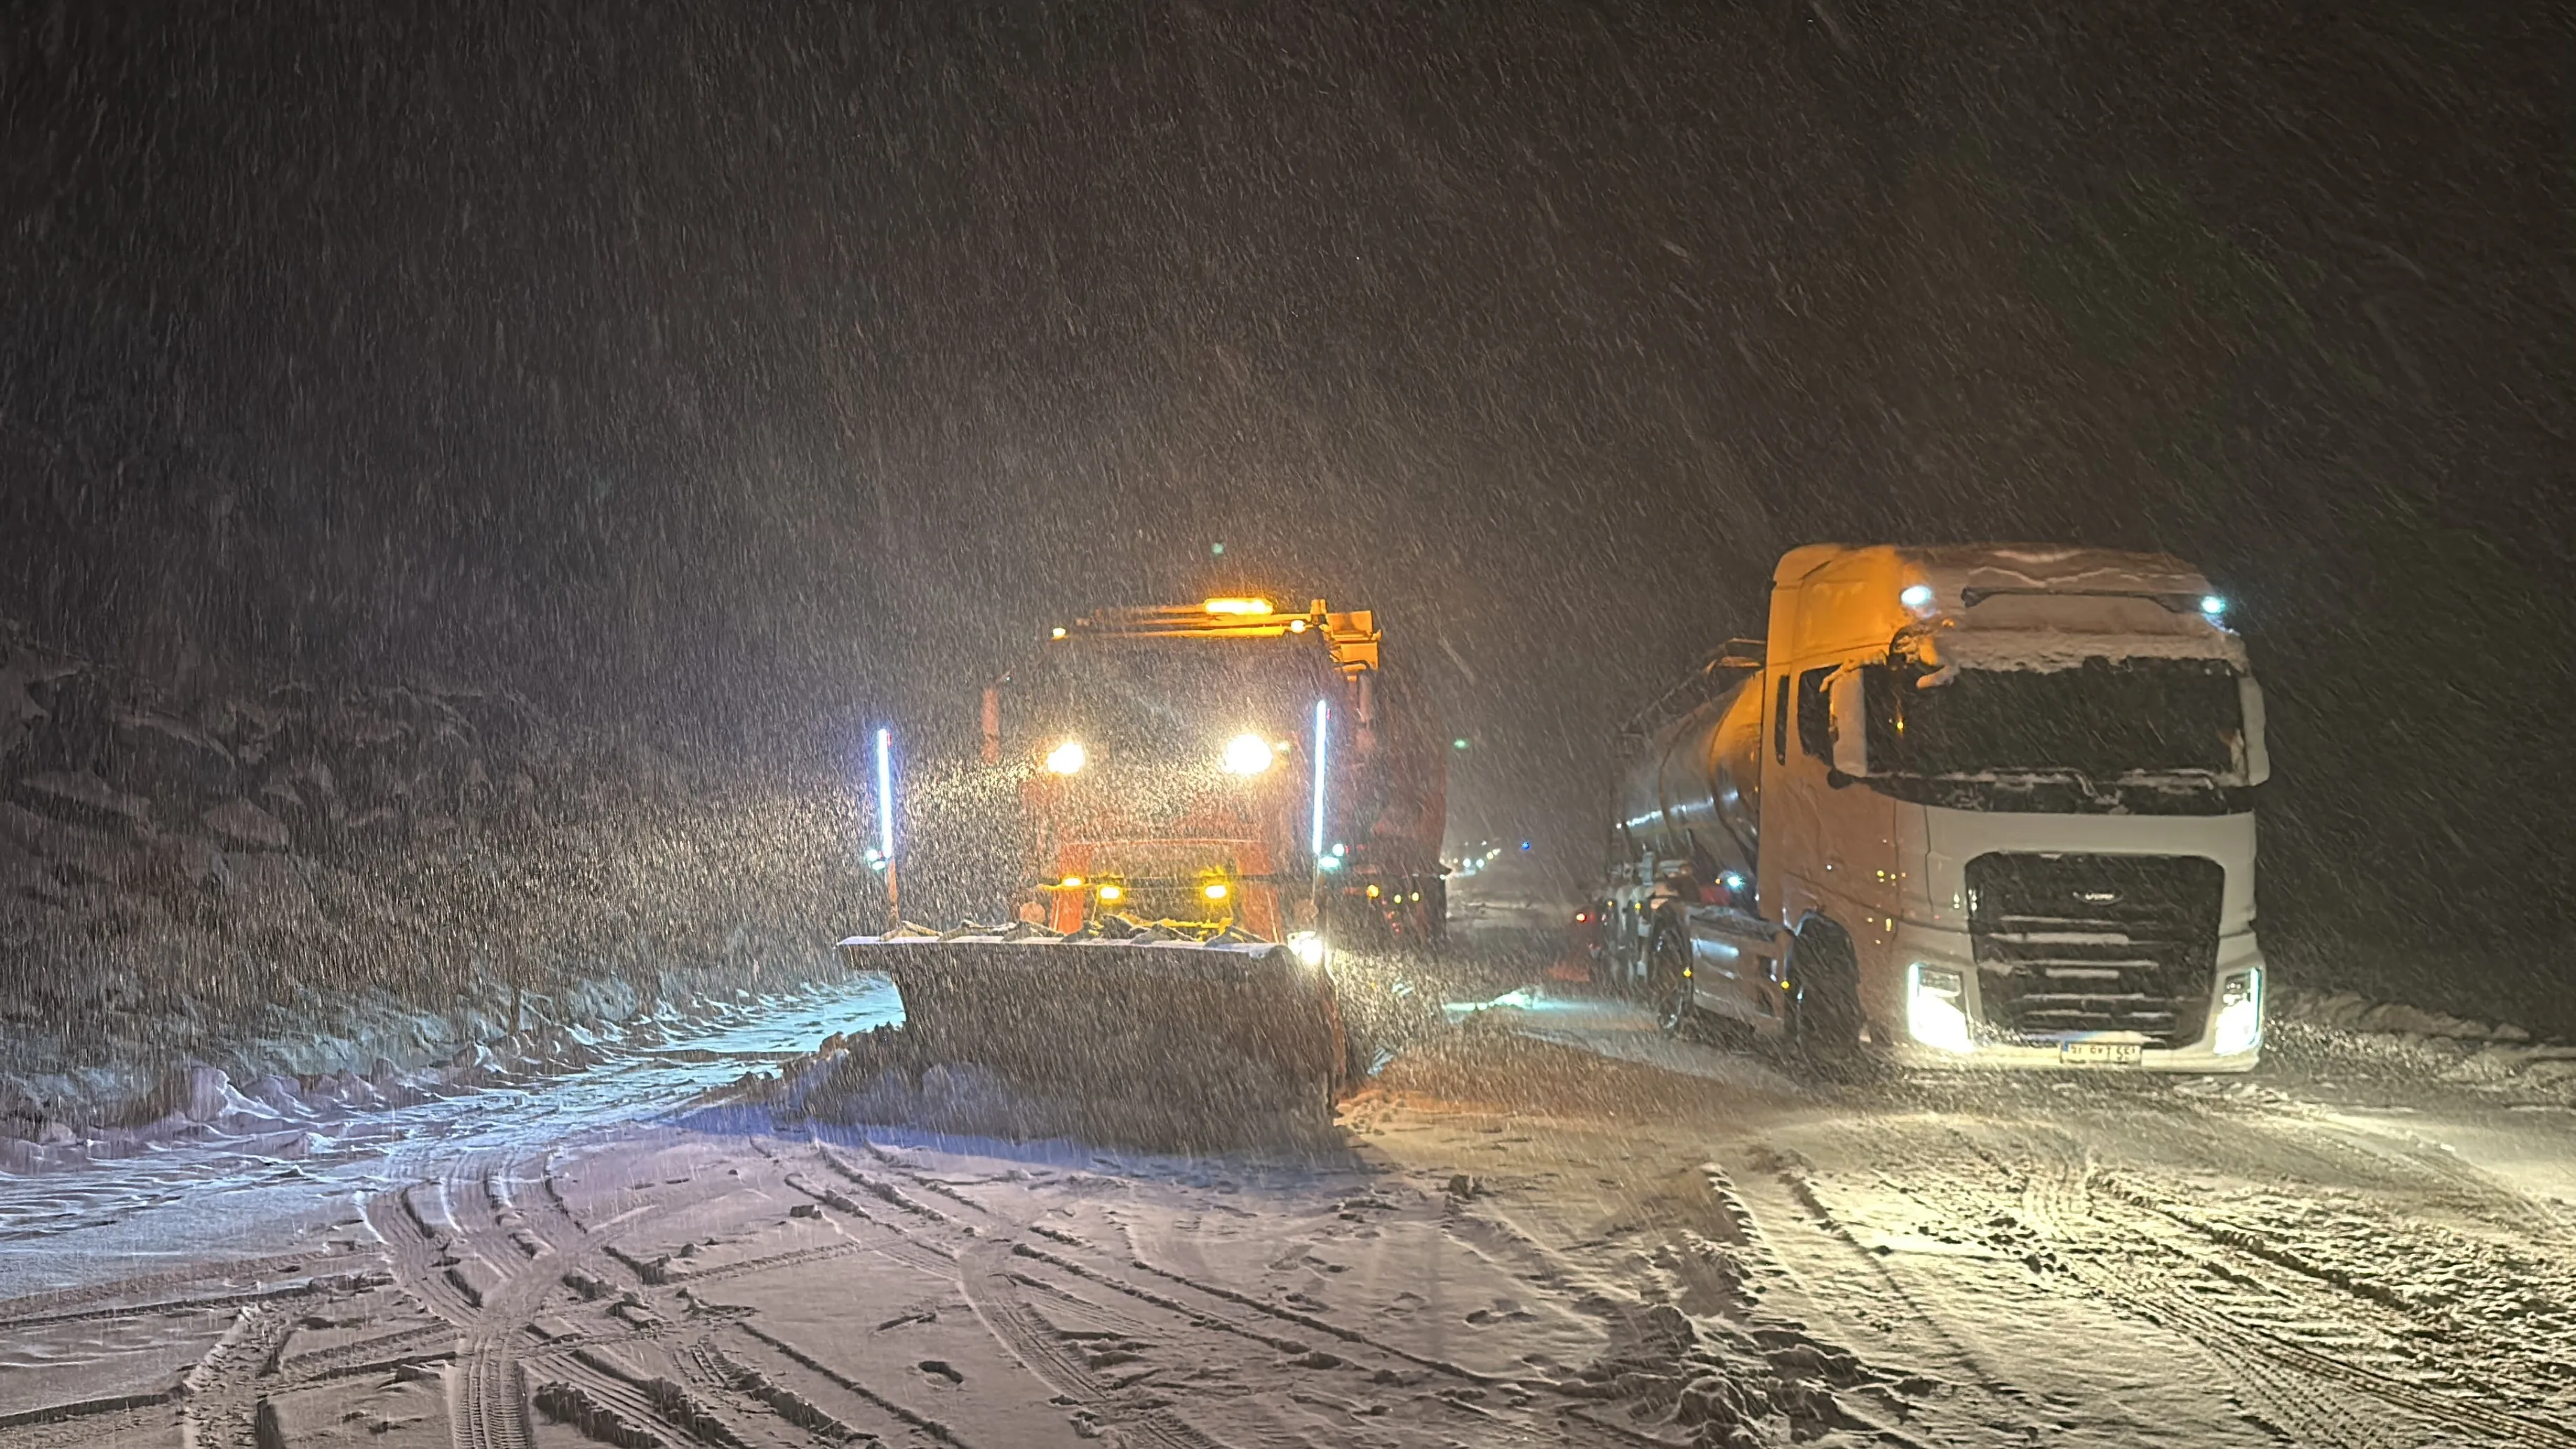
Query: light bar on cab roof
<point>1245,607</point>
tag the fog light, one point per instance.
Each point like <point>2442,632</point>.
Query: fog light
<point>1936,1010</point>
<point>1308,946</point>
<point>2240,1015</point>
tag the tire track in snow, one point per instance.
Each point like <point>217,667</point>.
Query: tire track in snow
<point>2283,1332</point>
<point>1773,1188</point>
<point>218,1397</point>
<point>987,1278</point>
<point>1565,1422</point>
<point>2055,1197</point>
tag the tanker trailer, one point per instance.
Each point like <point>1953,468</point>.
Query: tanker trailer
<point>1206,801</point>
<point>1687,832</point>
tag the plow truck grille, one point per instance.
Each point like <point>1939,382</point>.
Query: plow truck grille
<point>2069,944</point>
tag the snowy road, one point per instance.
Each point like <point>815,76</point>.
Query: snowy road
<point>1551,1227</point>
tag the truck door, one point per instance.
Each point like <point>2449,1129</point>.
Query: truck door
<point>1833,850</point>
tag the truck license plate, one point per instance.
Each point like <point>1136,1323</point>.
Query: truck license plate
<point>2097,1053</point>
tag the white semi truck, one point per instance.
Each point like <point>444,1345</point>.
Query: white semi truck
<point>1981,805</point>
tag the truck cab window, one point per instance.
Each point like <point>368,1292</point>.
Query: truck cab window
<point>1816,714</point>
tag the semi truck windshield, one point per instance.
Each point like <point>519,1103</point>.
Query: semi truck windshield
<point>2103,720</point>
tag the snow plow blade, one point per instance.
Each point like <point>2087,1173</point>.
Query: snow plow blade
<point>1243,1026</point>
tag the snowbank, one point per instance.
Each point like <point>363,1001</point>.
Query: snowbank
<point>292,880</point>
<point>2494,1055</point>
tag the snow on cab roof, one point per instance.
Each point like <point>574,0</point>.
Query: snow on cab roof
<point>1952,569</point>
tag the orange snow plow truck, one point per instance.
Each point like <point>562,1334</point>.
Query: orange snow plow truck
<point>1203,804</point>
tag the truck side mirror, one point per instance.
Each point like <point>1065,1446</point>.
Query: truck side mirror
<point>1851,722</point>
<point>2249,704</point>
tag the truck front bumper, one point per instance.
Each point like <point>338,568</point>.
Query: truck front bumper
<point>1942,1021</point>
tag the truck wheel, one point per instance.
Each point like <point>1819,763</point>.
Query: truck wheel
<point>1668,955</point>
<point>1824,996</point>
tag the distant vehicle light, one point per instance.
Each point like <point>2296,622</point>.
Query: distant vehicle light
<point>1215,890</point>
<point>1734,880</point>
<point>1458,744</point>
<point>1308,946</point>
<point>1372,893</point>
<point>1059,632</point>
<point>1112,894</point>
<point>2213,605</point>
<point>1917,597</point>
<point>1068,758</point>
<point>1247,754</point>
<point>1247,608</point>
<point>1582,916</point>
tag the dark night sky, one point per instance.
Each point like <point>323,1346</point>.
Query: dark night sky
<point>746,364</point>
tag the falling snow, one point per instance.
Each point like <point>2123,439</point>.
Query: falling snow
<point>473,485</point>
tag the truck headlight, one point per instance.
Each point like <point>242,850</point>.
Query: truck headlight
<point>2240,1014</point>
<point>1246,754</point>
<point>1068,758</point>
<point>1936,1008</point>
<point>1308,946</point>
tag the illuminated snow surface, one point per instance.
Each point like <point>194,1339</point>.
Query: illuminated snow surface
<point>1547,1224</point>
<point>240,1194</point>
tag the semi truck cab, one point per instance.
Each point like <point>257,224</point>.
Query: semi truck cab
<point>1994,805</point>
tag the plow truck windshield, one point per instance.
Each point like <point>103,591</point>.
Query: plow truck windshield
<point>1167,710</point>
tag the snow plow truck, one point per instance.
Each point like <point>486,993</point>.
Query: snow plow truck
<point>1203,805</point>
<point>1966,806</point>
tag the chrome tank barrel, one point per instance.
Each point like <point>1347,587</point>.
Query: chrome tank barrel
<point>1694,794</point>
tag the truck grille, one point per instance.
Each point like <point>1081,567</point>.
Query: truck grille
<point>2085,943</point>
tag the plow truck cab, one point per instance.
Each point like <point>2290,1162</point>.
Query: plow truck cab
<point>1202,803</point>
